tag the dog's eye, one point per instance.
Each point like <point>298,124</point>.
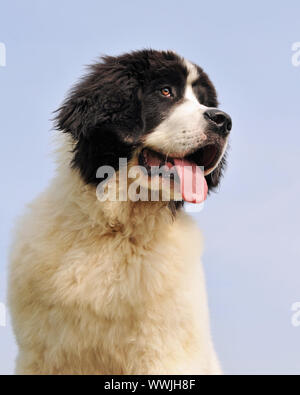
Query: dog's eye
<point>166,92</point>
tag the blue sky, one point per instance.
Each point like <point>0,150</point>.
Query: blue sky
<point>251,227</point>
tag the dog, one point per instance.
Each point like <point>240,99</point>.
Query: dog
<point>116,287</point>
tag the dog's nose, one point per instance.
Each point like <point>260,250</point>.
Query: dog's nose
<point>220,119</point>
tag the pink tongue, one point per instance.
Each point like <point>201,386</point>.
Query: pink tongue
<point>193,184</point>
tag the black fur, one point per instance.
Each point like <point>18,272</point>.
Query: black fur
<point>116,104</point>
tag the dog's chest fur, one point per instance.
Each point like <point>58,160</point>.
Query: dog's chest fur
<point>116,288</point>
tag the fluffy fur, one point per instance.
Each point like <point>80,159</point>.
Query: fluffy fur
<point>114,287</point>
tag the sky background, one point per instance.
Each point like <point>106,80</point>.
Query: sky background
<point>251,227</point>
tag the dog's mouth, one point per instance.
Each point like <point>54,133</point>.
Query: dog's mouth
<point>188,171</point>
<point>205,157</point>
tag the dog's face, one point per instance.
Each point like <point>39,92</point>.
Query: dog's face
<point>150,105</point>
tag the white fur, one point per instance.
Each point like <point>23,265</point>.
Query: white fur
<point>107,288</point>
<point>192,71</point>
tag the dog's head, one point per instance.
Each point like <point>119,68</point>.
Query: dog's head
<point>152,105</point>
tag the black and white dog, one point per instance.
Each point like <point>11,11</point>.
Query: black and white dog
<point>116,287</point>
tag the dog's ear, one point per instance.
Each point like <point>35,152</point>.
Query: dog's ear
<point>107,96</point>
